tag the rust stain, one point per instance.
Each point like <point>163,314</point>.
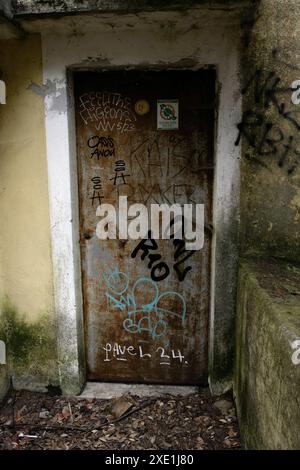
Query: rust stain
<point>138,327</point>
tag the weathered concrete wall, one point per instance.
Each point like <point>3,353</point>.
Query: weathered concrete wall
<point>270,133</point>
<point>267,380</point>
<point>4,381</point>
<point>43,7</point>
<point>26,293</point>
<point>157,41</point>
<point>267,374</point>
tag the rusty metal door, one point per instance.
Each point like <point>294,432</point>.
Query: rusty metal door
<point>146,302</point>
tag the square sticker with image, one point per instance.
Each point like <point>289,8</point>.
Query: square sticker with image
<point>167,114</point>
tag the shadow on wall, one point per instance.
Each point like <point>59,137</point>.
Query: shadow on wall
<point>4,381</point>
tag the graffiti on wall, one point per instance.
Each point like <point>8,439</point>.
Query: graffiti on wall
<point>271,127</point>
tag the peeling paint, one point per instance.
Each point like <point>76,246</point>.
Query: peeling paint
<point>54,91</point>
<point>43,90</point>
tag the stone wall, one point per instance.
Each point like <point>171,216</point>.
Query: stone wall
<point>267,377</point>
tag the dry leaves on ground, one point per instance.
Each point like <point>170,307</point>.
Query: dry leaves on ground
<point>37,421</point>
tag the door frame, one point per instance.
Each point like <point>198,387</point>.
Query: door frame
<point>222,53</point>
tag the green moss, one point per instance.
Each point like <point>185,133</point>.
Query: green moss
<point>29,345</point>
<point>266,381</point>
<point>223,364</point>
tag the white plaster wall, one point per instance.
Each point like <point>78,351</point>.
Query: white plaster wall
<point>149,43</point>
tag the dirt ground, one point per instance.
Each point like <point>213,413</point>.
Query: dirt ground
<point>198,421</point>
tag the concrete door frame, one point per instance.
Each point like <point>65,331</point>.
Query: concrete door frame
<point>107,50</point>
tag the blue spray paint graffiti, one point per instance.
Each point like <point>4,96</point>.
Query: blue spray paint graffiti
<point>153,316</point>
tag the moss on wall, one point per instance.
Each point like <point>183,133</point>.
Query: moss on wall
<point>31,345</point>
<point>266,379</point>
<point>4,381</point>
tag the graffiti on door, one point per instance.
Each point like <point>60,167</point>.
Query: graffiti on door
<point>146,297</point>
<point>151,315</point>
<point>107,111</point>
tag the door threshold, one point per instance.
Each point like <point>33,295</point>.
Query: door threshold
<point>107,390</point>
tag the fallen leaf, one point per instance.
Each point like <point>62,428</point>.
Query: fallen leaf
<point>200,443</point>
<point>66,412</point>
<point>121,406</point>
<point>44,414</point>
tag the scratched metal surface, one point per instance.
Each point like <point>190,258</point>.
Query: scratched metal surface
<point>141,324</point>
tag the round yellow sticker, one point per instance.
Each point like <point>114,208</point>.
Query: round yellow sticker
<point>142,107</point>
